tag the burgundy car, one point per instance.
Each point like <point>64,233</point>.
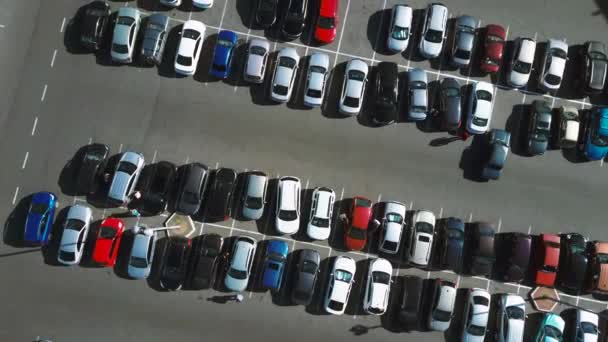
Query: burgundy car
<point>494,46</point>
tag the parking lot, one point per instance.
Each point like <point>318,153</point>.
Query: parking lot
<point>59,99</point>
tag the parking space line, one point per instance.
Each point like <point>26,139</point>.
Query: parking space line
<point>378,33</point>
<point>53,59</point>
<point>440,212</point>
<point>120,148</point>
<point>488,284</point>
<point>529,229</point>
<point>341,33</point>
<point>90,140</point>
<point>15,195</point>
<point>223,13</point>
<point>190,15</point>
<point>470,217</point>
<point>2,26</point>
<point>457,281</point>
<point>202,228</point>
<point>231,226</point>
<point>27,154</point>
<point>43,93</point>
<point>62,25</point>
<point>187,159</point>
<point>411,205</point>
<point>34,125</point>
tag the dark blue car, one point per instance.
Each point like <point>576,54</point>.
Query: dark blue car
<point>39,218</point>
<point>274,264</point>
<point>222,55</point>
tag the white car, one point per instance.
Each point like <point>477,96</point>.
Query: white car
<point>378,286</point>
<point>479,111</point>
<point>316,78</point>
<point>476,313</point>
<point>142,253</point>
<point>442,310</point>
<point>434,30</point>
<point>400,29</point>
<point>257,58</point>
<point>125,34</point>
<point>189,47</point>
<point>239,269</point>
<point>511,317</point>
<point>586,326</point>
<point>392,227</point>
<point>202,3</point>
<point>125,177</point>
<point>284,75</point>
<point>554,64</point>
<point>171,3</point>
<point>288,205</point>
<point>353,88</point>
<point>321,210</point>
<point>75,230</point>
<point>341,281</point>
<point>422,238</point>
<point>520,67</point>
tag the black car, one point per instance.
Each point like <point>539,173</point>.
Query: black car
<point>174,263</point>
<point>156,182</point>
<point>539,128</point>
<point>266,12</point>
<point>192,183</point>
<point>513,262</point>
<point>94,24</point>
<point>306,273</point>
<point>155,37</point>
<point>481,248</point>
<point>410,306</point>
<point>92,164</point>
<point>294,19</point>
<point>205,261</point>
<point>452,243</point>
<point>220,195</point>
<point>450,104</point>
<point>385,93</point>
<point>573,262</point>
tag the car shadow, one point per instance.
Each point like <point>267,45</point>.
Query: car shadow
<point>235,206</point>
<point>246,10</point>
<point>14,226</point>
<point>99,199</point>
<point>122,257</point>
<point>257,269</point>
<point>336,237</point>
<point>390,320</point>
<point>89,246</point>
<point>305,207</point>
<point>235,78</point>
<point>571,85</point>
<point>376,32</point>
<point>68,174</point>
<point>205,60</point>
<point>153,279</point>
<point>51,250</point>
<point>517,125</point>
<point>533,321</point>
<point>329,108</point>
<point>412,53</point>
<point>71,35</point>
<point>152,6</point>
<point>265,224</point>
<point>442,62</point>
<point>355,300</point>
<point>454,332</point>
<point>472,159</point>
<point>167,65</point>
<point>500,78</point>
<point>474,69</point>
<point>316,305</point>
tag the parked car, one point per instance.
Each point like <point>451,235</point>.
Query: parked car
<point>125,34</point>
<point>554,64</point>
<point>452,245</point>
<point>442,305</point>
<point>327,21</point>
<point>393,220</point>
<point>513,264</point>
<point>510,318</point>
<point>596,137</point>
<point>384,93</point>
<point>450,104</point>
<point>205,260</point>
<point>75,231</point>
<point>464,39</point>
<point>108,240</point>
<point>520,66</point>
<point>125,178</point>
<point>221,194</point>
<point>548,260</point>
<point>355,234</point>
<point>257,57</point>
<point>400,28</point>
<point>94,25</point>
<point>288,205</point>
<point>353,87</point>
<point>294,18</point>
<point>318,70</point>
<point>306,275</point>
<point>254,195</point>
<point>418,94</point>
<point>594,67</point>
<point>92,164</point>
<point>434,30</point>
<point>539,129</point>
<point>551,328</point>
<point>284,75</point>
<point>321,212</point>
<point>499,142</point>
<point>494,46</point>
<point>598,264</point>
<point>266,13</point>
<point>174,263</point>
<point>479,109</point>
<point>421,241</point>
<point>573,262</point>
<point>586,326</point>
<point>191,188</point>
<point>189,47</point>
<point>156,182</point>
<point>377,289</point>
<point>239,269</point>
<point>155,39</point>
<point>39,219</point>
<point>569,125</point>
<point>411,303</point>
<point>341,281</point>
<point>275,263</point>
<point>223,54</point>
<point>476,313</point>
<point>202,3</point>
<point>142,253</point>
<point>481,249</point>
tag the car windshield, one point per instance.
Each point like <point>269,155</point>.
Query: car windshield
<point>288,215</point>
<point>356,233</point>
<point>93,157</point>
<point>318,69</point>
<point>344,276</point>
<point>225,43</point>
<point>395,218</point>
<point>381,277</point>
<point>253,202</point>
<point>327,22</point>
<point>337,306</point>
<point>522,67</point>
<point>67,256</point>
<point>313,93</point>
<point>400,33</point>
<point>287,62</point>
<point>351,101</point>
<point>588,328</point>
<point>74,224</point>
<point>553,332</point>
<point>125,21</point>
<point>389,245</point>
<point>515,312</point>
<point>549,268</point>
<point>577,249</point>
<point>126,167</point>
<point>451,92</point>
<point>434,36</point>
<point>365,203</point>
<point>484,95</point>
<point>257,50</point>
<point>280,89</point>
<point>476,330</point>
<point>442,316</point>
<point>320,222</point>
<point>309,267</point>
<point>189,33</point>
<point>38,208</point>
<point>419,109</point>
<point>479,121</point>
<point>553,79</point>
<point>273,266</point>
<point>494,39</point>
<point>424,227</point>
<point>479,300</point>
<point>417,85</point>
<point>184,60</point>
<point>463,54</point>
<point>120,48</point>
<point>237,274</point>
<point>138,262</point>
<point>107,233</point>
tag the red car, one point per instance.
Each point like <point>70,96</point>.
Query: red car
<point>327,22</point>
<point>494,46</point>
<point>355,235</point>
<point>548,260</point>
<point>108,240</point>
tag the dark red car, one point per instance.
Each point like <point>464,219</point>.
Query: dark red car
<point>355,235</point>
<point>108,240</point>
<point>548,260</point>
<point>327,22</point>
<point>494,46</point>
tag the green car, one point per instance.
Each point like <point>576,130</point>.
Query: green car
<point>551,329</point>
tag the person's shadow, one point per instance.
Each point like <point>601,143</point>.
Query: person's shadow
<point>223,299</point>
<point>361,329</point>
<point>442,141</point>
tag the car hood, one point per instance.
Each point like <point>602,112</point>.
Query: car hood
<point>254,65</point>
<point>518,79</point>
<point>430,49</point>
<point>603,277</point>
<point>516,330</point>
<point>120,181</point>
<point>31,227</point>
<point>422,249</point>
<point>545,278</point>
<point>353,88</point>
<point>537,146</point>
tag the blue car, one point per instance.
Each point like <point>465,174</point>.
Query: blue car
<point>40,218</point>
<point>596,141</point>
<point>222,55</point>
<point>274,264</point>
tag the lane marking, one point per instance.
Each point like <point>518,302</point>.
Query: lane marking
<point>43,93</point>
<point>441,212</point>
<point>53,59</point>
<point>341,33</point>
<point>90,140</point>
<point>499,224</point>
<point>27,154</point>
<point>187,160</point>
<point>470,217</point>
<point>529,229</point>
<point>190,15</point>
<point>15,195</point>
<point>34,125</point>
<point>2,26</point>
<point>62,25</point>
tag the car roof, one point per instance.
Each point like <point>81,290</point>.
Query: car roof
<point>260,42</point>
<point>277,246</point>
<point>140,245</point>
<point>80,212</point>
<point>323,200</point>
<point>388,71</point>
<point>381,264</point>
<point>227,35</point>
<point>310,255</point>
<point>241,253</point>
<point>557,44</point>
<point>496,30</point>
<point>255,184</point>
<point>361,215</point>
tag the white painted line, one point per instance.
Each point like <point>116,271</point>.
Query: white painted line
<point>341,33</point>
<point>376,46</point>
<point>411,205</point>
<point>231,226</point>
<point>457,281</point>
<point>90,140</point>
<point>189,15</point>
<point>441,212</point>
<point>499,224</point>
<point>217,165</point>
<point>53,59</point>
<point>250,294</point>
<point>529,229</point>
<point>602,162</point>
<point>488,285</point>
<point>428,274</point>
<point>43,93</point>
<point>154,156</point>
<point>2,26</point>
<point>223,13</point>
<point>62,25</point>
<point>120,148</point>
<point>164,215</point>
<point>379,198</point>
<point>34,125</point>
<point>470,217</point>
<point>202,228</point>
<point>447,271</point>
<point>27,154</point>
<point>15,195</point>
<point>187,160</point>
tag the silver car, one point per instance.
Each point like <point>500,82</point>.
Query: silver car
<point>316,78</point>
<point>75,230</point>
<point>142,253</point>
<point>284,75</point>
<point>155,38</point>
<point>239,270</point>
<point>434,30</point>
<point>400,28</point>
<point>418,94</point>
<point>464,38</point>
<point>125,177</point>
<point>125,34</point>
<point>257,57</point>
<point>254,195</point>
<point>442,310</point>
<point>353,88</point>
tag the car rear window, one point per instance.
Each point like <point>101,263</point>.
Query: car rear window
<point>336,306</point>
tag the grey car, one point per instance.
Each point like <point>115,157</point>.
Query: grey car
<point>539,130</point>
<point>125,34</point>
<point>142,253</point>
<point>418,94</point>
<point>499,141</point>
<point>155,38</point>
<point>305,277</point>
<point>449,104</point>
<point>254,195</point>
<point>464,38</point>
<point>595,65</point>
